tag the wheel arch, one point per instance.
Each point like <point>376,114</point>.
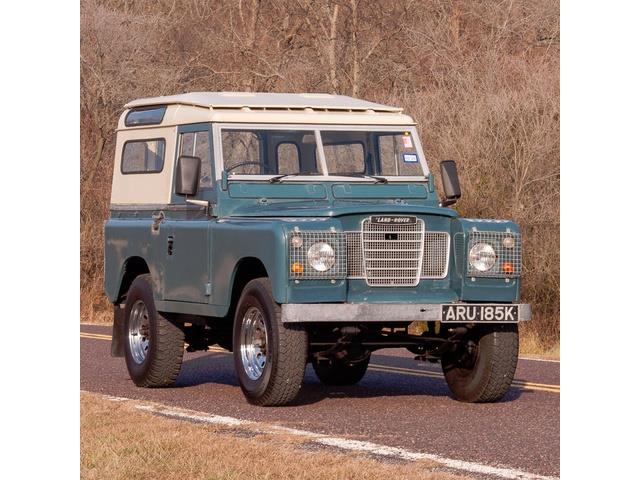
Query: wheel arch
<point>245,270</point>
<point>131,268</point>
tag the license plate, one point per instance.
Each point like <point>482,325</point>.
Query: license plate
<point>480,313</point>
<point>393,220</point>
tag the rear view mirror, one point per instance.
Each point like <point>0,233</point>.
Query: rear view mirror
<point>450,182</point>
<point>187,175</point>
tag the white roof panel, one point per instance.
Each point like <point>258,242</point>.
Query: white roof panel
<point>316,101</point>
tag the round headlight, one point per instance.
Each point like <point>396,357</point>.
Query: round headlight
<point>482,257</point>
<point>321,256</point>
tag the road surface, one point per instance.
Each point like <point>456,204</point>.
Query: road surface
<point>400,402</point>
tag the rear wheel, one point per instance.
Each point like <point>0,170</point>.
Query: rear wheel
<point>270,357</point>
<point>334,371</point>
<point>481,367</point>
<point>154,346</point>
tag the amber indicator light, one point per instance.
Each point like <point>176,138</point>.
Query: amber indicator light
<point>507,267</point>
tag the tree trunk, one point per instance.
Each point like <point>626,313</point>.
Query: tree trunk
<point>97,158</point>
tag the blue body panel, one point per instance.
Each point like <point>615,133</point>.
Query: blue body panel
<point>251,220</point>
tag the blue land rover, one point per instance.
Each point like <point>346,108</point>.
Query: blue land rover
<point>300,228</point>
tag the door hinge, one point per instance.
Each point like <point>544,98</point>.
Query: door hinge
<point>207,289</point>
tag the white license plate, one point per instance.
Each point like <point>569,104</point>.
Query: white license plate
<point>480,313</point>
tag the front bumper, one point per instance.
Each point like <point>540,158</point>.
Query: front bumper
<point>389,312</point>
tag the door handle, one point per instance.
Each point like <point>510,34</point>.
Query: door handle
<point>170,245</point>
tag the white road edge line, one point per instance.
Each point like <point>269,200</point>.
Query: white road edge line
<point>337,442</point>
<point>533,359</point>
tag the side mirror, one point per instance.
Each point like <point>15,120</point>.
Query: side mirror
<point>187,175</point>
<point>450,182</point>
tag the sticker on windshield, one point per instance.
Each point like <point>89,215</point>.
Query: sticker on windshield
<point>406,141</point>
<point>410,158</point>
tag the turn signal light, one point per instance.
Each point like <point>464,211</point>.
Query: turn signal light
<point>507,267</point>
<point>297,267</point>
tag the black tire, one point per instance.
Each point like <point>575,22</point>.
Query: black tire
<point>163,358</point>
<point>279,380</point>
<point>340,372</point>
<point>485,374</point>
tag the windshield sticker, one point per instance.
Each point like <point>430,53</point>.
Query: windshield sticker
<point>410,158</point>
<point>406,141</point>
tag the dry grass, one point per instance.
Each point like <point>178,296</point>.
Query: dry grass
<point>120,442</point>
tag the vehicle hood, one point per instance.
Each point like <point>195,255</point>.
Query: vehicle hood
<point>265,208</point>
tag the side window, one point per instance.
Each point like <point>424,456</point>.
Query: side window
<point>288,158</point>
<point>196,144</point>
<point>143,156</point>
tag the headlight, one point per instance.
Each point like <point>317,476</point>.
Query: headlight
<point>321,256</point>
<point>482,257</point>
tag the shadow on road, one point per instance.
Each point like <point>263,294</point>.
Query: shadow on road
<point>217,368</point>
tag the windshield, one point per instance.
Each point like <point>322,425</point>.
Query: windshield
<point>269,152</point>
<point>354,153</point>
<point>371,153</point>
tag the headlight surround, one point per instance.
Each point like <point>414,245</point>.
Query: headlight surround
<point>321,256</point>
<point>482,257</point>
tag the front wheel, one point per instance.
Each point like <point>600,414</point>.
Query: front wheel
<point>481,367</point>
<point>270,357</point>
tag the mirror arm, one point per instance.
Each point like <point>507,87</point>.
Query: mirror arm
<point>202,203</point>
<point>445,202</point>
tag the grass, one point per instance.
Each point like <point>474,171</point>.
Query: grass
<point>121,442</point>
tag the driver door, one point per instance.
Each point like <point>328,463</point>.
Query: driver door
<point>188,254</point>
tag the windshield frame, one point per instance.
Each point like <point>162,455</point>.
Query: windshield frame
<point>323,175</point>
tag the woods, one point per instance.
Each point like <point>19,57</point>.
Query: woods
<point>480,78</point>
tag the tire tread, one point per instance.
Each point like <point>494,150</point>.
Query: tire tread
<point>168,352</point>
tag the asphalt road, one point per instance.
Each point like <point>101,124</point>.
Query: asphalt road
<point>400,402</point>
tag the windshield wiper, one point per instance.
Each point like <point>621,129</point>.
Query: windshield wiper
<point>278,178</point>
<point>377,178</point>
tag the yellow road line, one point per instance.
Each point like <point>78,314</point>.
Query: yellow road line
<point>522,384</point>
<point>515,383</point>
<point>96,336</point>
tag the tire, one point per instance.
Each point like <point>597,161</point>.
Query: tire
<point>269,357</point>
<point>153,345</point>
<point>339,372</point>
<point>485,374</point>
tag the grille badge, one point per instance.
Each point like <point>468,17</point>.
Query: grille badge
<point>394,220</point>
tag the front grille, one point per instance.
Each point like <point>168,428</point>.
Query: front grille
<point>504,255</point>
<point>435,259</point>
<point>392,254</point>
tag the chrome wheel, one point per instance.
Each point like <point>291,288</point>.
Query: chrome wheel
<point>253,343</point>
<point>139,332</point>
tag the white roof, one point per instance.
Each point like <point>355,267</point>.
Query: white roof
<point>279,101</point>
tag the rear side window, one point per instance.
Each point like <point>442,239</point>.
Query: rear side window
<point>145,116</point>
<point>143,156</point>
